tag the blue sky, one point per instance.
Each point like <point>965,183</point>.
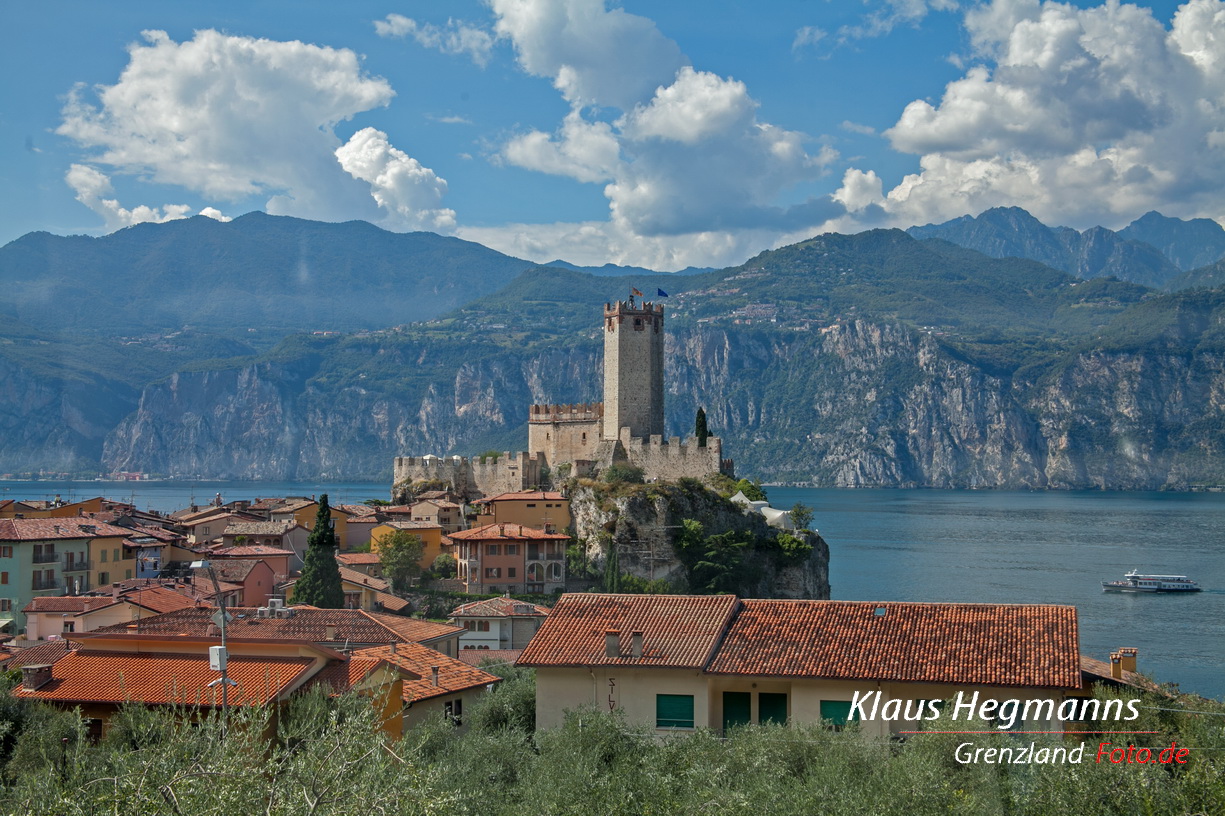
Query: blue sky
<point>658,134</point>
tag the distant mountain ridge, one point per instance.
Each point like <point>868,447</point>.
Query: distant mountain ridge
<point>1152,251</point>
<point>262,271</point>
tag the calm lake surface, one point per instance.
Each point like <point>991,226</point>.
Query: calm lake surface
<point>961,546</point>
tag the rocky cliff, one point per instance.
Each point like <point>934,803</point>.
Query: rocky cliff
<point>857,404</point>
<point>641,521</point>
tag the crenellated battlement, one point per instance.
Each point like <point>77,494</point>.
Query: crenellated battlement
<point>570,412</point>
<point>469,476</point>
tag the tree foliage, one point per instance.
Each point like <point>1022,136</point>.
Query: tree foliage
<point>319,585</point>
<point>699,428</point>
<point>400,557</point>
<point>801,516</point>
<point>752,490</point>
<point>631,474</point>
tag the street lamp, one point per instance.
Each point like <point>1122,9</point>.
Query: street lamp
<point>218,656</point>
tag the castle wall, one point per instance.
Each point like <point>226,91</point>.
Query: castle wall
<point>633,369</point>
<point>470,477</point>
<point>565,433</point>
<point>673,459</point>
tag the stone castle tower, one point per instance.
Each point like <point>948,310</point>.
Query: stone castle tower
<point>627,427</point>
<point>633,369</point>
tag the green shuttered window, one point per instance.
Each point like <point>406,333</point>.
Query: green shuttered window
<point>674,711</point>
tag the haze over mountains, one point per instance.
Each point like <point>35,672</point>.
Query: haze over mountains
<point>193,349</point>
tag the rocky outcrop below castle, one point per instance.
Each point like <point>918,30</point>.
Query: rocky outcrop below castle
<point>641,522</point>
<point>857,404</point>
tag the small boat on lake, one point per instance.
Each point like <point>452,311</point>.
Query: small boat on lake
<point>1135,582</point>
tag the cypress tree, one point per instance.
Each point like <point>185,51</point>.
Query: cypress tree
<point>319,584</point>
<point>699,428</point>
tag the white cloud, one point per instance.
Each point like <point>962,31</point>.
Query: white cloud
<point>681,152</point>
<point>1082,116</point>
<point>594,55</point>
<point>215,214</point>
<point>891,14</point>
<point>92,186</point>
<point>807,36</point>
<point>855,127</point>
<point>454,38</point>
<point>410,193</point>
<point>230,117</point>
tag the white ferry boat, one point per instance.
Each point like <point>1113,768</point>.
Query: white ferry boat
<point>1135,582</point>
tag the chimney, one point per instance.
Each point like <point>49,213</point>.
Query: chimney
<point>612,643</point>
<point>1127,658</point>
<point>330,632</point>
<point>1116,665</point>
<point>434,676</point>
<point>393,647</point>
<point>35,677</point>
<point>636,644</point>
<point>116,590</point>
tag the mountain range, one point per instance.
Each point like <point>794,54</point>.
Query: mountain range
<point>878,359</point>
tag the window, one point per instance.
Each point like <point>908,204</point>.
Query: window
<point>555,571</point>
<point>453,710</point>
<point>117,556</point>
<point>493,572</point>
<point>127,574</point>
<point>104,577</point>
<point>512,549</point>
<point>6,551</point>
<point>535,572</point>
<point>104,556</point>
<point>6,604</point>
<point>772,708</point>
<point>4,577</point>
<point>838,712</point>
<point>510,572</point>
<point>674,711</point>
<point>493,550</point>
<point>531,504</point>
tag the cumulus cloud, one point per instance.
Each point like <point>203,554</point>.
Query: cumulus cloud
<point>92,187</point>
<point>1082,116</point>
<point>681,153</point>
<point>892,13</point>
<point>230,117</point>
<point>453,38</point>
<point>410,193</point>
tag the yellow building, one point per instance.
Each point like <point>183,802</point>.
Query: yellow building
<point>304,511</point>
<point>431,536</point>
<point>111,558</point>
<point>538,509</point>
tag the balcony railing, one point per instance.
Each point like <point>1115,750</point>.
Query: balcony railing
<point>77,565</point>
<point>46,557</point>
<point>40,584</point>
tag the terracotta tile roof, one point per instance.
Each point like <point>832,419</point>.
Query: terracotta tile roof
<point>371,519</point>
<point>679,631</point>
<point>116,677</point>
<point>352,558</point>
<point>157,532</point>
<point>393,603</point>
<point>499,608</point>
<point>39,655</point>
<point>355,577</point>
<point>44,529</point>
<point>196,588</point>
<point>418,661</point>
<point>160,599</point>
<point>992,644</point>
<point>247,551</point>
<point>497,532</point>
<point>396,510</point>
<point>355,509</point>
<point>411,525</point>
<point>526,495</point>
<point>234,570</point>
<point>294,505</point>
<point>249,528</point>
<point>353,625</point>
<point>66,603</point>
<point>475,657</point>
<point>340,677</point>
<point>1097,671</point>
<point>441,504</point>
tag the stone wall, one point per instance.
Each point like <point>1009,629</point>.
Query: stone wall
<point>471,477</point>
<point>674,459</point>
<point>565,433</point>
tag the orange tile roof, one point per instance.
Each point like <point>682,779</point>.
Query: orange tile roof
<point>499,608</point>
<point>356,509</point>
<point>43,529</point>
<point>418,661</point>
<point>411,525</point>
<point>992,644</point>
<point>679,631</point>
<point>340,677</point>
<point>66,603</point>
<point>356,577</point>
<point>475,657</point>
<point>43,653</point>
<point>159,599</point>
<point>308,624</point>
<point>358,558</point>
<point>117,677</point>
<point>498,532</point>
<point>526,495</point>
<point>247,551</point>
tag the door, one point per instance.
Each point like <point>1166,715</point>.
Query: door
<point>772,708</point>
<point>737,709</point>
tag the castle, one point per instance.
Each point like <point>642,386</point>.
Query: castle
<point>626,428</point>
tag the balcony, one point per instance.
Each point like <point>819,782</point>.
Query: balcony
<point>42,584</point>
<point>77,565</point>
<point>46,557</point>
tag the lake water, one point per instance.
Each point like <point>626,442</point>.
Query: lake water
<point>958,546</point>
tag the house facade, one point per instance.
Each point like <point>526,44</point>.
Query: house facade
<point>539,509</point>
<point>679,663</point>
<point>498,624</point>
<point>510,558</point>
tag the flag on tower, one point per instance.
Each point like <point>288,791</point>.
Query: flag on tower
<point>660,293</point>
<point>635,292</point>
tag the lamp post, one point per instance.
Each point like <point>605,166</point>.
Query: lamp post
<point>218,656</point>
